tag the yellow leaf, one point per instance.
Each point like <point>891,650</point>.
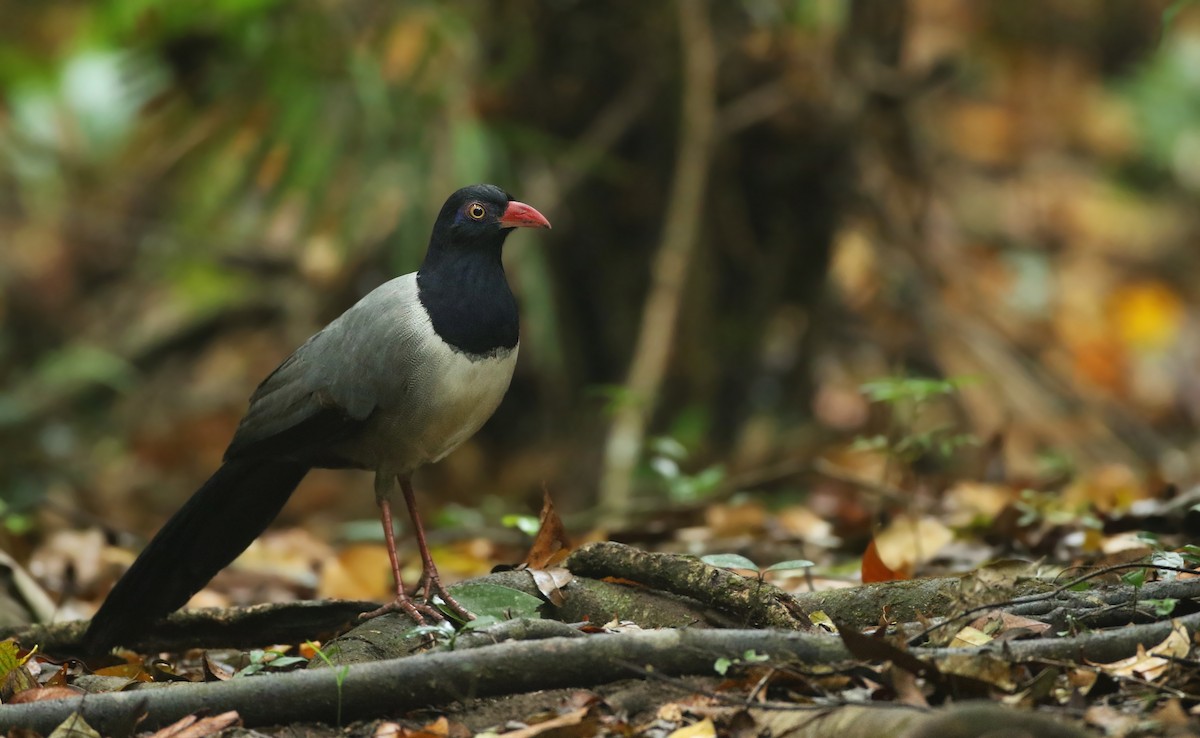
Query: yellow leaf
<point>1152,664</point>
<point>968,637</point>
<point>702,729</point>
<point>906,541</point>
<point>1147,315</point>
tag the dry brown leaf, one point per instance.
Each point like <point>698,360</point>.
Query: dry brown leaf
<point>1152,663</point>
<point>702,729</point>
<point>132,671</point>
<point>292,554</point>
<point>438,728</point>
<point>908,691</point>
<point>574,717</point>
<point>193,727</point>
<point>968,637</point>
<point>1111,487</point>
<point>215,669</point>
<point>41,694</point>
<point>984,667</point>
<point>361,571</point>
<point>1111,720</point>
<point>550,583</point>
<point>967,502</point>
<point>74,727</point>
<point>997,623</point>
<point>551,545</point>
<point>389,729</point>
<point>727,521</point>
<point>16,681</point>
<point>907,542</point>
<point>874,570</point>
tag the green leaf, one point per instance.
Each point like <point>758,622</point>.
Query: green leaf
<point>79,364</point>
<point>1135,578</point>
<point>497,602</point>
<point>665,467</point>
<point>1162,607</point>
<point>527,524</point>
<point>722,665</point>
<point>282,661</point>
<point>669,447</point>
<point>616,396</point>
<point>729,561</point>
<point>8,657</point>
<point>869,443</point>
<point>789,565</point>
<point>752,656</point>
<point>1190,551</point>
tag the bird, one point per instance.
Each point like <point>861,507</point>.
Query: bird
<point>398,381</point>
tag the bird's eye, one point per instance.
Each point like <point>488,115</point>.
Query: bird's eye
<point>476,211</point>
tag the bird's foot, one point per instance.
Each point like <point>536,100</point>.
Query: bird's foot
<point>418,611</point>
<point>431,584</point>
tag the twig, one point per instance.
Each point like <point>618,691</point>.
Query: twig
<point>685,207</point>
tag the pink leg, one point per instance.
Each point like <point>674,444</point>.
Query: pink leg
<point>431,582</point>
<point>402,602</point>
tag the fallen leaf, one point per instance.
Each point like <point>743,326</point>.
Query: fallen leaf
<point>874,570</point>
<point>550,583</point>
<point>1148,315</point>
<point>728,521</point>
<point>193,727</point>
<point>907,542</point>
<point>968,637</point>
<point>361,571</point>
<point>1152,663</point>
<point>987,668</point>
<point>551,545</point>
<point>998,623</point>
<point>702,729</point>
<point>575,717</point>
<point>74,727</point>
<point>126,671</point>
<point>41,694</point>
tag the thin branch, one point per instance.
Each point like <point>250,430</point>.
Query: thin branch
<point>697,131</point>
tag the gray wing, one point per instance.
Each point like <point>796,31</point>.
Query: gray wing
<point>328,389</point>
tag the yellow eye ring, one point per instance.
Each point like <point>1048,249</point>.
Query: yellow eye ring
<point>476,211</point>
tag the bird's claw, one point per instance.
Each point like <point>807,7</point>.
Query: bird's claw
<point>431,585</point>
<point>418,611</point>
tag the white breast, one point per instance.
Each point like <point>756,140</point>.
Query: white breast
<point>464,391</point>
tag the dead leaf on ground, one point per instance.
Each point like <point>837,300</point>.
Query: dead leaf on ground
<point>551,545</point>
<point>727,521</point>
<point>194,727</point>
<point>74,727</point>
<point>983,667</point>
<point>550,583</point>
<point>874,570</point>
<point>361,571</point>
<point>1003,625</point>
<point>41,694</point>
<point>907,542</point>
<point>1151,664</point>
<point>556,724</point>
<point>969,637</point>
<point>702,729</point>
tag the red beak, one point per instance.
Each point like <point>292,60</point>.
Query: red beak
<point>520,215</point>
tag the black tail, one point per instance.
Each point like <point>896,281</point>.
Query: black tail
<point>220,520</point>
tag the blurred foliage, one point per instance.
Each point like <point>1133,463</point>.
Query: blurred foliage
<point>999,189</point>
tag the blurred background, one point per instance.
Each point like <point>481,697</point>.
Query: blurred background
<point>758,206</point>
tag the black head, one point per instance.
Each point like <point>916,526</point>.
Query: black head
<point>481,216</point>
<point>461,284</point>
